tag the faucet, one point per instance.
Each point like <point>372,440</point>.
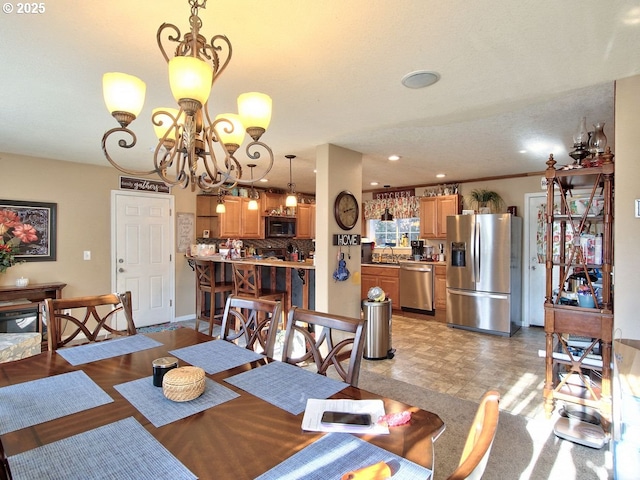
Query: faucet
<point>393,259</point>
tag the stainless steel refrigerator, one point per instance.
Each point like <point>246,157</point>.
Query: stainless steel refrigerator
<point>484,272</point>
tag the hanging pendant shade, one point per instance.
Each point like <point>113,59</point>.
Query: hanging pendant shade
<point>386,216</point>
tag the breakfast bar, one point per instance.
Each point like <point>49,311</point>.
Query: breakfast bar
<point>296,278</point>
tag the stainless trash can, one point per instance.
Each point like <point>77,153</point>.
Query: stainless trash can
<point>377,340</point>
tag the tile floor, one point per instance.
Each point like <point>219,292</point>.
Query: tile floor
<point>464,364</point>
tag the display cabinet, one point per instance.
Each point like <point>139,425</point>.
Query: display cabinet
<point>579,298</point>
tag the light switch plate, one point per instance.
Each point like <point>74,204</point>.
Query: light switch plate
<point>87,254</point>
<point>637,207</point>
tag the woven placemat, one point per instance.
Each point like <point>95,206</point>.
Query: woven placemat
<point>107,349</point>
<point>122,450</point>
<point>216,356</point>
<point>338,453</point>
<point>286,386</point>
<point>38,401</point>
<point>151,402</point>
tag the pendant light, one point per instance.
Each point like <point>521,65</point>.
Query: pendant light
<point>292,200</point>
<point>386,216</point>
<point>220,208</point>
<point>253,195</point>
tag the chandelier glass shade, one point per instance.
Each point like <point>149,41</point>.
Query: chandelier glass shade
<point>192,149</point>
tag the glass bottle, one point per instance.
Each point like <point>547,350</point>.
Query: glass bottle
<point>598,139</point>
<point>581,137</point>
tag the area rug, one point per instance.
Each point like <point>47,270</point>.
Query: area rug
<point>524,448</point>
<point>161,327</point>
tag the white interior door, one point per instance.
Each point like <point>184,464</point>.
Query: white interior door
<point>142,254</point>
<point>534,277</point>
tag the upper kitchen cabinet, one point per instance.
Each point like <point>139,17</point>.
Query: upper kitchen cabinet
<point>206,216</point>
<point>271,201</point>
<point>238,221</point>
<point>434,212</point>
<point>306,221</point>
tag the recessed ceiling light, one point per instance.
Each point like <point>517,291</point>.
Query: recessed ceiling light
<point>440,175</point>
<point>523,151</point>
<point>393,158</point>
<point>264,180</point>
<point>373,183</point>
<point>420,79</point>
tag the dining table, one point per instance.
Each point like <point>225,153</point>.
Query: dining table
<point>238,435</point>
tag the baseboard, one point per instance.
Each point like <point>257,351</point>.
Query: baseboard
<point>184,318</point>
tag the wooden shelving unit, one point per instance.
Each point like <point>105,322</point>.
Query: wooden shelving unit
<point>562,316</point>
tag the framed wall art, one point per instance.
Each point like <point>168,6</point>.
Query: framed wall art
<point>31,226</point>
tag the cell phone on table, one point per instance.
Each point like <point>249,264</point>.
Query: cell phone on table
<point>346,419</point>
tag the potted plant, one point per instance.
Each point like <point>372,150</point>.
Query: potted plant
<point>485,201</point>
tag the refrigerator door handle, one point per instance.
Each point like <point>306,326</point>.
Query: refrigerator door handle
<point>468,293</point>
<point>476,253</point>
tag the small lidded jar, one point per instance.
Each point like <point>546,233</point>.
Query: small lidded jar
<point>162,366</point>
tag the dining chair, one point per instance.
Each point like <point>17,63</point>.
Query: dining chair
<point>479,440</point>
<point>247,283</point>
<point>5,471</point>
<point>252,321</point>
<point>75,321</point>
<point>329,340</point>
<point>218,291</point>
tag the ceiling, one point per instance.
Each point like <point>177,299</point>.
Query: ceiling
<point>515,76</point>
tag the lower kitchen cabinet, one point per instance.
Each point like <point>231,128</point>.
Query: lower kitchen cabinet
<point>440,289</point>
<point>386,278</point>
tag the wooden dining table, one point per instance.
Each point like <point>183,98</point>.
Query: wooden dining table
<point>241,438</point>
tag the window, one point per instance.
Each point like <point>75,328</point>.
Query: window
<point>390,233</point>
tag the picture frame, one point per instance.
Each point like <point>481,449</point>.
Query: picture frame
<point>33,224</point>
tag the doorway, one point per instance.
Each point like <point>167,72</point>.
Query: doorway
<point>535,275</point>
<point>142,246</point>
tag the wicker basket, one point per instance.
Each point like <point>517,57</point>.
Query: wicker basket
<point>183,384</point>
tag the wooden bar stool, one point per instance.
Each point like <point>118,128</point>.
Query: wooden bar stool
<point>218,292</point>
<point>247,283</point>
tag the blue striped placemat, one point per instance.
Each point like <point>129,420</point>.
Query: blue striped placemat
<point>38,401</point>
<point>216,356</point>
<point>336,454</point>
<point>286,386</point>
<point>151,402</point>
<point>92,352</point>
<point>122,450</point>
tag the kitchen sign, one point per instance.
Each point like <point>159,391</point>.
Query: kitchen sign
<point>346,240</point>
<point>404,193</point>
<point>143,185</point>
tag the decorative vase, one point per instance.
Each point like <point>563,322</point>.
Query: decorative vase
<point>598,140</point>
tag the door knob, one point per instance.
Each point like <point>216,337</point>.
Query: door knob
<point>121,269</point>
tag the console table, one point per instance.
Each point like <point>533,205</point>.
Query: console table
<point>10,297</point>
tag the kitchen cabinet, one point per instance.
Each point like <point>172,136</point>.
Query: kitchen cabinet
<point>440,287</point>
<point>238,221</point>
<point>385,277</point>
<point>206,216</point>
<point>434,212</point>
<point>305,221</point>
<point>271,201</point>
<point>569,219</point>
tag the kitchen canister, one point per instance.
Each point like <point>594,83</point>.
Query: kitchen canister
<point>183,384</point>
<point>160,367</point>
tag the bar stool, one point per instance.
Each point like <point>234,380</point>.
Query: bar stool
<point>247,283</point>
<point>206,283</point>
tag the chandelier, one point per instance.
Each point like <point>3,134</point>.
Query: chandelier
<point>187,135</point>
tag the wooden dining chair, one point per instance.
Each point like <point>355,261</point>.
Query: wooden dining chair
<point>479,440</point>
<point>5,471</point>
<point>75,321</point>
<point>247,283</point>
<point>216,290</point>
<point>329,340</point>
<point>252,321</point>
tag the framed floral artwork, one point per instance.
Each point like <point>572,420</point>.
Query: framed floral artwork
<point>30,228</point>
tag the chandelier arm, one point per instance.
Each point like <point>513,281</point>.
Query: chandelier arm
<point>172,38</point>
<point>123,144</point>
<point>253,152</point>
<point>216,48</point>
<point>163,160</point>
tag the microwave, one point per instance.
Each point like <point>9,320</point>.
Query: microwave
<point>280,227</point>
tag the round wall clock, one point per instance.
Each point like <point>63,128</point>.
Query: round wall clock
<point>346,210</point>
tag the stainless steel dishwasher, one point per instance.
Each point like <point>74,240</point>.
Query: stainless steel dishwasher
<point>416,286</point>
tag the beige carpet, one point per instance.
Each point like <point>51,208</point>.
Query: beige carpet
<point>524,448</point>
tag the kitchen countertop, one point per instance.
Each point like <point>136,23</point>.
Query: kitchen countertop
<point>397,265</point>
<point>261,262</point>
